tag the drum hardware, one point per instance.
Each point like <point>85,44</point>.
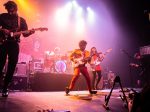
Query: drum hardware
<point>55,62</point>
<point>64,57</point>
<point>110,78</point>
<point>49,65</point>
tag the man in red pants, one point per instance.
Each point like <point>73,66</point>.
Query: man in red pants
<point>80,57</point>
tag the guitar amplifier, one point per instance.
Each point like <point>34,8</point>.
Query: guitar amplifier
<point>21,70</point>
<point>145,50</point>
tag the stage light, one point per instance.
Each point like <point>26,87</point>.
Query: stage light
<point>61,17</point>
<point>90,15</point>
<point>68,7</point>
<point>79,12</point>
<point>27,8</point>
<point>80,25</point>
<point>74,3</point>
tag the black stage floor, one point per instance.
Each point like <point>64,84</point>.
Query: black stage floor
<point>77,101</point>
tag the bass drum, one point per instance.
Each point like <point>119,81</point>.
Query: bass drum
<point>60,66</point>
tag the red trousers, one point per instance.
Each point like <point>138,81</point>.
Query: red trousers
<point>77,72</point>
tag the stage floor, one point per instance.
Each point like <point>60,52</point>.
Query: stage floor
<point>77,101</point>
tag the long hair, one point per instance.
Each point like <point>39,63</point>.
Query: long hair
<point>92,53</point>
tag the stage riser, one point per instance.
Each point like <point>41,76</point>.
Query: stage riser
<point>55,82</point>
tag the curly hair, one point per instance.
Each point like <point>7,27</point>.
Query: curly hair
<point>82,42</point>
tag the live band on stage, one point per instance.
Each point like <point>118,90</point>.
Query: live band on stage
<point>74,62</point>
<point>56,63</point>
<point>51,62</point>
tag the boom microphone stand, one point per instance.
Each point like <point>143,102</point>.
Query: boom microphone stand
<point>129,59</point>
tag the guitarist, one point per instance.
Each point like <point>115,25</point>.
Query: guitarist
<point>142,66</point>
<point>95,66</point>
<point>80,57</point>
<point>9,47</point>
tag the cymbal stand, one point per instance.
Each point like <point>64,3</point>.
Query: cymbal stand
<point>107,97</point>
<point>29,76</point>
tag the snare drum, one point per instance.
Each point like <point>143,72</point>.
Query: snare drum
<point>60,66</point>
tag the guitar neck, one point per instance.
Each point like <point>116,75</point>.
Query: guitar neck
<point>21,32</point>
<point>105,53</point>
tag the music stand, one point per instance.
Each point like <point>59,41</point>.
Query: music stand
<point>107,97</point>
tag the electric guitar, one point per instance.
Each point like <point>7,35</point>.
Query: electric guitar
<point>14,34</point>
<point>100,59</point>
<point>134,65</point>
<point>138,66</point>
<point>80,61</point>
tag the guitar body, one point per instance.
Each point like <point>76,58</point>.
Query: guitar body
<point>80,61</point>
<point>77,62</point>
<point>96,60</point>
<point>7,36</point>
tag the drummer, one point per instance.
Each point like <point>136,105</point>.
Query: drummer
<point>57,52</point>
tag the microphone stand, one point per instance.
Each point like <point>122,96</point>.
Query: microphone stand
<point>129,59</point>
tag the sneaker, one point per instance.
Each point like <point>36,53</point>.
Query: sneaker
<point>67,90</point>
<point>5,93</point>
<point>93,92</point>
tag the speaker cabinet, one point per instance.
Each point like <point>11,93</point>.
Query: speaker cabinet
<point>19,83</point>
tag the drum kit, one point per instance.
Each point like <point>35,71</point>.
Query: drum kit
<point>55,62</point>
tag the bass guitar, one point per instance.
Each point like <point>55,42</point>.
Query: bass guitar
<point>14,34</point>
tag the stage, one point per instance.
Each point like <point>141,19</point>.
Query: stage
<point>77,101</point>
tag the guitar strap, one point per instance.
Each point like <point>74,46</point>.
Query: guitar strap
<point>19,22</point>
<point>83,54</point>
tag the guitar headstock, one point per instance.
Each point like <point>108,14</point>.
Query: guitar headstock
<point>109,50</point>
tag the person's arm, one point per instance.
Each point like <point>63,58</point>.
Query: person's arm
<point>87,57</point>
<point>24,27</point>
<point>71,57</point>
<point>2,30</point>
<point>134,65</point>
